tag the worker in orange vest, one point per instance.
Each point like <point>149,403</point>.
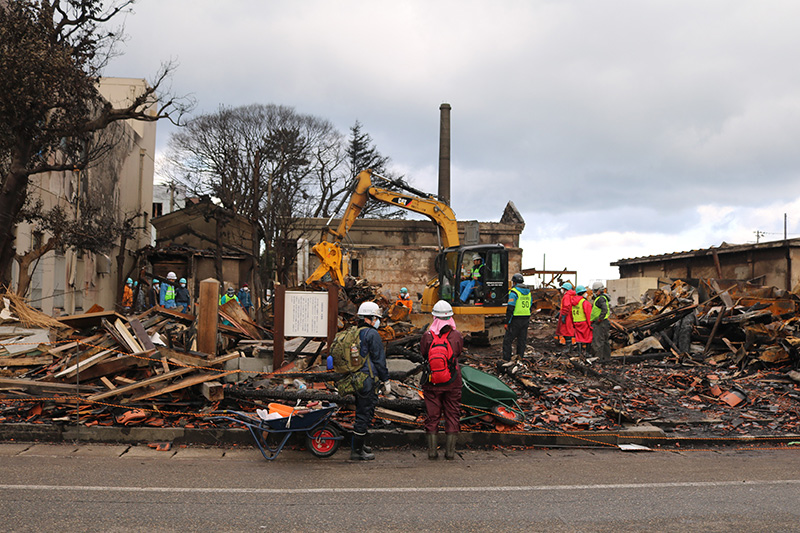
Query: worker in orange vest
<point>404,299</point>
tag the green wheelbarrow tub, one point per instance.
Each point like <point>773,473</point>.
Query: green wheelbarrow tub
<point>482,393</point>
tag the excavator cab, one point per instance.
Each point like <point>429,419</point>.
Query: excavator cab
<point>454,266</point>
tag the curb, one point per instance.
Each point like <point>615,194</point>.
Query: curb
<point>644,435</point>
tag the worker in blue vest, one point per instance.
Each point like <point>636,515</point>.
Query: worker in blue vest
<point>166,297</point>
<point>601,326</point>
<point>518,315</point>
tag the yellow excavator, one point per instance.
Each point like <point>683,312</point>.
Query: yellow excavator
<point>487,298</point>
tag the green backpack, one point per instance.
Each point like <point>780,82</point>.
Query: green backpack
<point>346,350</point>
<point>346,353</point>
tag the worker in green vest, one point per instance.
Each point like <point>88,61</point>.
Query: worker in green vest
<point>601,326</point>
<point>518,315</point>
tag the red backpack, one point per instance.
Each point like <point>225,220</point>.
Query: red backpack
<point>440,360</point>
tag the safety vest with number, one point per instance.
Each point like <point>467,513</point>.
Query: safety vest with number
<point>523,305</point>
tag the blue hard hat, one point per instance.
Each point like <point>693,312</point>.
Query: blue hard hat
<point>403,290</point>
<point>580,289</point>
<point>566,285</point>
<point>129,281</point>
<point>182,280</point>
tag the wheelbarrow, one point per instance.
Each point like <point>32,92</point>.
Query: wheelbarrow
<point>484,394</point>
<point>323,437</point>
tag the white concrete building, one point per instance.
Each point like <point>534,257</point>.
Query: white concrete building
<point>68,282</point>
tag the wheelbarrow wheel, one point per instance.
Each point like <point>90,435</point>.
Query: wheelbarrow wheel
<point>504,415</point>
<point>321,442</point>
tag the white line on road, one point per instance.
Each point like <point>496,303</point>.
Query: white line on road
<point>338,490</point>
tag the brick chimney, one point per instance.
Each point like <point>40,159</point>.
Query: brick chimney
<point>444,153</point>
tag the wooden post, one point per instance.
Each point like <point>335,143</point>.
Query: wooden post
<point>333,315</point>
<point>279,325</point>
<point>208,316</point>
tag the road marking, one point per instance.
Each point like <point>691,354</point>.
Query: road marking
<point>338,490</point>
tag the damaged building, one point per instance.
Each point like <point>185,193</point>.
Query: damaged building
<point>201,239</point>
<point>773,264</point>
<point>70,281</point>
<point>401,253</point>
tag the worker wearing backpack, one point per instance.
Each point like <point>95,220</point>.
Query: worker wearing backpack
<point>377,375</point>
<point>441,345</point>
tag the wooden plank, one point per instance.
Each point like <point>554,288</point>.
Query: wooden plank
<point>65,346</point>
<point>88,320</point>
<point>86,363</point>
<point>125,380</point>
<point>35,360</point>
<point>141,335</point>
<point>42,386</point>
<point>182,384</point>
<point>140,384</point>
<point>208,316</point>
<point>723,295</point>
<point>112,366</point>
<point>107,383</point>
<point>183,357</point>
<point>213,391</point>
<point>235,314</point>
<point>130,340</point>
<point>388,413</point>
<point>156,379</point>
<point>111,330</point>
<point>164,364</point>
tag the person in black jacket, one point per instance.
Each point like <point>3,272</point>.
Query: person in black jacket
<point>182,298</point>
<point>152,296</point>
<point>374,357</point>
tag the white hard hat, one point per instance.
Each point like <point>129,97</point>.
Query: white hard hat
<point>598,285</point>
<point>476,257</point>
<point>172,275</point>
<point>442,309</point>
<point>367,309</point>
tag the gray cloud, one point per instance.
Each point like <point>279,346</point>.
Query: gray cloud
<point>612,116</point>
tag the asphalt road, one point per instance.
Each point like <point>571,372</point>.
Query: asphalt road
<point>85,488</point>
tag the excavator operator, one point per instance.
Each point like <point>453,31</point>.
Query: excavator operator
<point>473,279</point>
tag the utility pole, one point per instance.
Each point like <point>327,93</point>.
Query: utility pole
<point>759,234</point>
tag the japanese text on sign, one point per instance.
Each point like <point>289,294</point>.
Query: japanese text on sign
<point>306,314</point>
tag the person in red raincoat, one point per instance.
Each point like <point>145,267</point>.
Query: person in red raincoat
<point>565,330</point>
<point>581,319</point>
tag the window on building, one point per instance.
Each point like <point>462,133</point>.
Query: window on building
<point>158,209</point>
<point>354,268</point>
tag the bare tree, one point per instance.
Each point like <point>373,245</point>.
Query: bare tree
<point>51,56</point>
<point>260,161</point>
<point>363,154</point>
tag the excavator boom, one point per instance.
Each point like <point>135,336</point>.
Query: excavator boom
<point>329,250</point>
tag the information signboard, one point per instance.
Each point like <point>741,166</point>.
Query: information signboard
<point>306,314</point>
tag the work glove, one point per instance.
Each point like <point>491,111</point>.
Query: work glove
<point>387,389</point>
<point>563,319</point>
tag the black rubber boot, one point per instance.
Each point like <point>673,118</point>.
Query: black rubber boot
<point>357,453</point>
<point>433,452</point>
<point>450,446</point>
<point>367,447</point>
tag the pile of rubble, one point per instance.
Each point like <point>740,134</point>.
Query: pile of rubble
<point>718,361</point>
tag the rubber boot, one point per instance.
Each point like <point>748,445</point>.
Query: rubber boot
<point>450,446</point>
<point>433,452</point>
<point>357,453</point>
<point>367,447</point>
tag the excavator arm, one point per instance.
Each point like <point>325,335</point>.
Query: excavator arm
<point>329,250</point>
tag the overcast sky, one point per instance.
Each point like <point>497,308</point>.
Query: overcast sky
<point>618,128</point>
